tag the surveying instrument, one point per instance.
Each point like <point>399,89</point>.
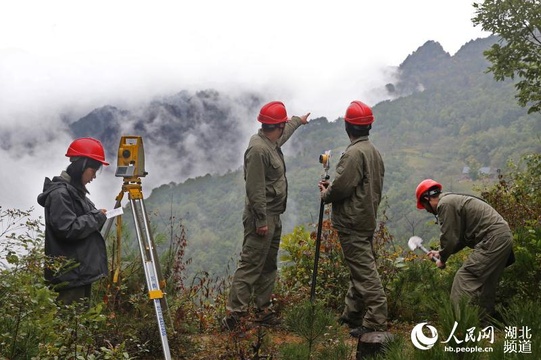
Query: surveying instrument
<point>325,160</point>
<point>131,167</point>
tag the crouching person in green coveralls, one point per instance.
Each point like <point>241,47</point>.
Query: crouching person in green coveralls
<point>466,220</point>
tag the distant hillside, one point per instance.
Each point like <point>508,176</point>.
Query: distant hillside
<point>448,114</point>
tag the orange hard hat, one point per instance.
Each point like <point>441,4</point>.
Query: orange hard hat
<point>87,147</point>
<point>423,187</point>
<point>273,113</point>
<point>358,113</point>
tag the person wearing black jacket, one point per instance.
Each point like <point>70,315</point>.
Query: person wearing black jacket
<point>75,249</point>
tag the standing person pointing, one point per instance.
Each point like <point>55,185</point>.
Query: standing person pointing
<point>73,224</point>
<point>266,197</point>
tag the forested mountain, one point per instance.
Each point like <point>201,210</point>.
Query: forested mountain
<point>447,115</point>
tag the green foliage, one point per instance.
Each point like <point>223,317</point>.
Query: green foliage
<point>297,266</point>
<point>463,314</point>
<point>517,198</point>
<point>23,296</point>
<point>32,324</point>
<point>310,321</point>
<point>395,349</point>
<point>317,328</point>
<point>517,194</point>
<point>522,280</point>
<point>295,263</point>
<point>295,352</point>
<point>413,289</point>
<point>519,51</point>
<point>22,236</point>
<point>335,350</point>
<point>453,323</point>
<point>520,315</point>
<point>389,256</point>
<point>28,316</point>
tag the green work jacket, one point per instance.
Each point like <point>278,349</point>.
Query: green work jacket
<point>356,191</point>
<point>265,174</point>
<point>465,221</point>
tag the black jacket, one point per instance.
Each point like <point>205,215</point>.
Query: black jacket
<point>72,231</point>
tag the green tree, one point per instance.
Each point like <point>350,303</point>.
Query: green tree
<point>518,53</point>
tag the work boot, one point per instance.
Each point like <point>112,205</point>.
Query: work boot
<point>360,331</point>
<point>231,322</point>
<point>343,320</point>
<point>267,318</point>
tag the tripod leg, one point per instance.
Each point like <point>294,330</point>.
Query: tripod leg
<point>151,267</point>
<point>154,256</point>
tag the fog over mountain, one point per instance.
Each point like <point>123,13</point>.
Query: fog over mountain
<point>188,129</point>
<point>185,135</point>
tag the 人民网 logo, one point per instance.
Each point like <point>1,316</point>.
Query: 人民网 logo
<point>420,340</point>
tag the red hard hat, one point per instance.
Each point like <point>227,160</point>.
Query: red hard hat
<point>273,113</point>
<point>358,113</point>
<point>423,187</point>
<point>87,147</point>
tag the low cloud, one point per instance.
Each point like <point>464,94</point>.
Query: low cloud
<point>41,99</point>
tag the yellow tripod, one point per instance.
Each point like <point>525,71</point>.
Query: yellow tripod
<point>131,168</point>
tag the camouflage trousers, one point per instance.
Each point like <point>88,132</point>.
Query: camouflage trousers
<point>365,301</point>
<point>256,273</point>
<point>479,275</point>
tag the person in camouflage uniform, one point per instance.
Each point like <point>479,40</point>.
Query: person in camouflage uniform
<point>467,221</point>
<point>266,197</point>
<point>355,195</point>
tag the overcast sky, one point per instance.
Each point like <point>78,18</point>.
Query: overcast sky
<point>309,52</point>
<point>314,55</point>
